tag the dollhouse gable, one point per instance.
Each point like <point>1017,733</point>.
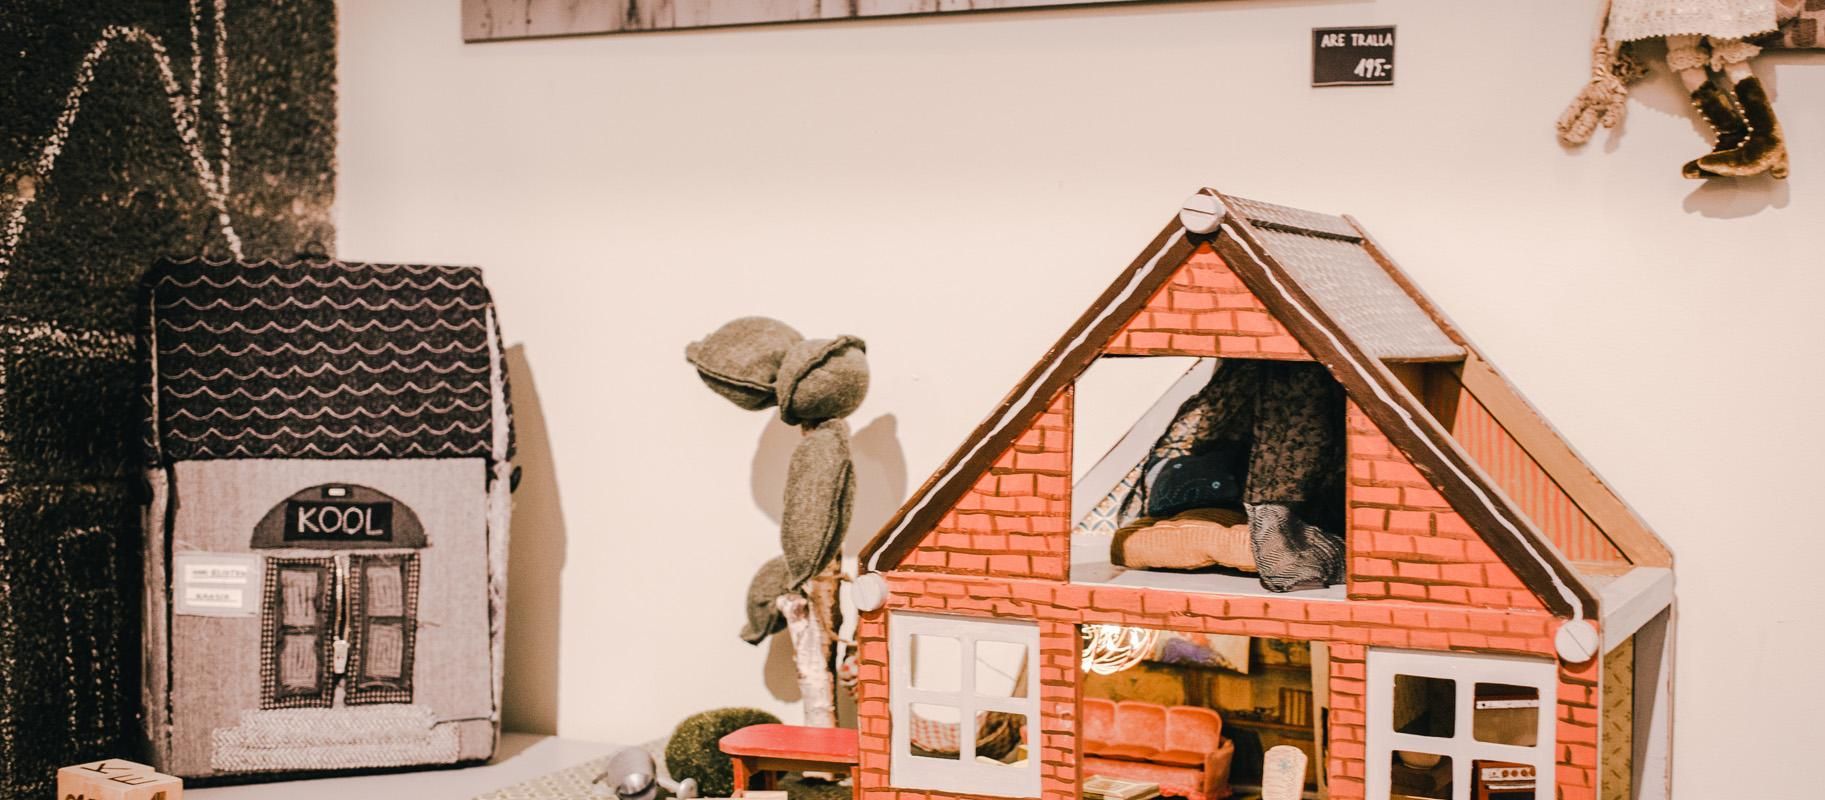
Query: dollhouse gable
<point>1483,559</point>
<point>1457,492</point>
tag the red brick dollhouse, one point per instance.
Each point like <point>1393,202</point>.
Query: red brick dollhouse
<point>1485,558</point>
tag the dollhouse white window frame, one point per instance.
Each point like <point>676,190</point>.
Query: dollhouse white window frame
<point>963,775</point>
<point>1466,671</point>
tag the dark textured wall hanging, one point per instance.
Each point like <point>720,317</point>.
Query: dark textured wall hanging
<point>129,130</point>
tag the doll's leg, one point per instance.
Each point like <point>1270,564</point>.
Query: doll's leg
<point>1764,150</point>
<point>1687,59</point>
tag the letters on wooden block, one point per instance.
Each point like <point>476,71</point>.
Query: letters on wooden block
<point>115,779</point>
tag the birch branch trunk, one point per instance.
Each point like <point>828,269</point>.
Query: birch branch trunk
<point>811,654</point>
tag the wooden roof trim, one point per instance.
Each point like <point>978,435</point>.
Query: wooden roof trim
<point>1407,424</point>
<point>1619,523</point>
<point>1536,436</point>
<point>1069,357</point>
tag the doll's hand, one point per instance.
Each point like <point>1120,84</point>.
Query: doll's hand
<point>1596,105</point>
<point>1603,100</point>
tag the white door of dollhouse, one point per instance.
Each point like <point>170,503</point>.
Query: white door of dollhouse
<point>1442,724</point>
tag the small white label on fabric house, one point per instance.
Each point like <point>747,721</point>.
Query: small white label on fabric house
<point>215,584</point>
<point>209,597</point>
<point>216,572</point>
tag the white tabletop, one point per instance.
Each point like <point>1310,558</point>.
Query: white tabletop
<point>521,757</point>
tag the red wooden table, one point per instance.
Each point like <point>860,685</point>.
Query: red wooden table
<point>768,749</point>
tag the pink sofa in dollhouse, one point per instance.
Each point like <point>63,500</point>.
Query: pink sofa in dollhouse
<point>1181,748</point>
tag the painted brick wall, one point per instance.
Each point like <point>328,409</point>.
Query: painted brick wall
<point>1349,721</point>
<point>1206,311</point>
<point>1405,541</point>
<point>1348,627</point>
<point>1577,730</point>
<point>1525,482</point>
<point>1016,521</point>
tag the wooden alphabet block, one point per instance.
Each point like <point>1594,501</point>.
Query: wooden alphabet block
<point>115,779</point>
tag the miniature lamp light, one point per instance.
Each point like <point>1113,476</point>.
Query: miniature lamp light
<point>633,775</point>
<point>1109,649</point>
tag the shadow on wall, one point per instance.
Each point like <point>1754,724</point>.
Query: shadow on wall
<point>880,477</point>
<point>535,560</point>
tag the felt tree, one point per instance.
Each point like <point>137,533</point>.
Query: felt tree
<point>758,363</point>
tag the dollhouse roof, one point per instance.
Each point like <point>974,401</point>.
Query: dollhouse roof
<point>1324,255</point>
<point>1352,310</point>
<point>322,360</point>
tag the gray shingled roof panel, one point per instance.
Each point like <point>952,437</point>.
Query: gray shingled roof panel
<point>1288,217</point>
<point>1355,291</point>
<point>1326,256</point>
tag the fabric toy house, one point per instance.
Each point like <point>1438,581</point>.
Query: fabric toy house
<point>327,532</point>
<point>1491,580</point>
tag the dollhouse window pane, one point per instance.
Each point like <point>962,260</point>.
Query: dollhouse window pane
<point>300,590</point>
<point>1001,669</point>
<point>1425,706</point>
<point>1506,714</point>
<point>1420,775</point>
<point>1000,737</point>
<point>961,705</point>
<point>299,663</point>
<point>385,591</point>
<point>386,645</point>
<point>936,731</point>
<point>937,663</point>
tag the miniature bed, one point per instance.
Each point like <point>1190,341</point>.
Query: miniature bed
<point>1502,618</point>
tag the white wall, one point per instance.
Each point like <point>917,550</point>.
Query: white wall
<point>956,190</point>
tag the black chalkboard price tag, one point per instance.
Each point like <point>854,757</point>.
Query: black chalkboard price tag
<point>1353,56</point>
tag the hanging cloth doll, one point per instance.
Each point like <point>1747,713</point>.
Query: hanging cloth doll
<point>1287,418</point>
<point>1708,47</point>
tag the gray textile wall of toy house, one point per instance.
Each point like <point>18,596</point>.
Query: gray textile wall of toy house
<point>327,531</point>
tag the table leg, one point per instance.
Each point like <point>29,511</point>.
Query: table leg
<point>742,772</point>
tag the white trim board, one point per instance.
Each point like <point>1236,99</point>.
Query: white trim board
<point>1632,600</point>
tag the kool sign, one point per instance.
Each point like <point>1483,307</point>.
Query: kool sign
<point>338,521</point>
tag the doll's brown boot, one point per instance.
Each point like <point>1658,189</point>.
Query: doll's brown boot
<point>1764,150</point>
<point>1715,105</point>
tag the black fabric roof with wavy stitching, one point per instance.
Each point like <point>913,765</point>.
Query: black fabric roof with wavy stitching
<point>321,359</point>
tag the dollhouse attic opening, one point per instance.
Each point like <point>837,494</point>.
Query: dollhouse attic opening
<point>1336,466</point>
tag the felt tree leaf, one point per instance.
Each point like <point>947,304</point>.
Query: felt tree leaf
<point>741,359</point>
<point>820,494</point>
<point>822,379</point>
<point>764,616</point>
